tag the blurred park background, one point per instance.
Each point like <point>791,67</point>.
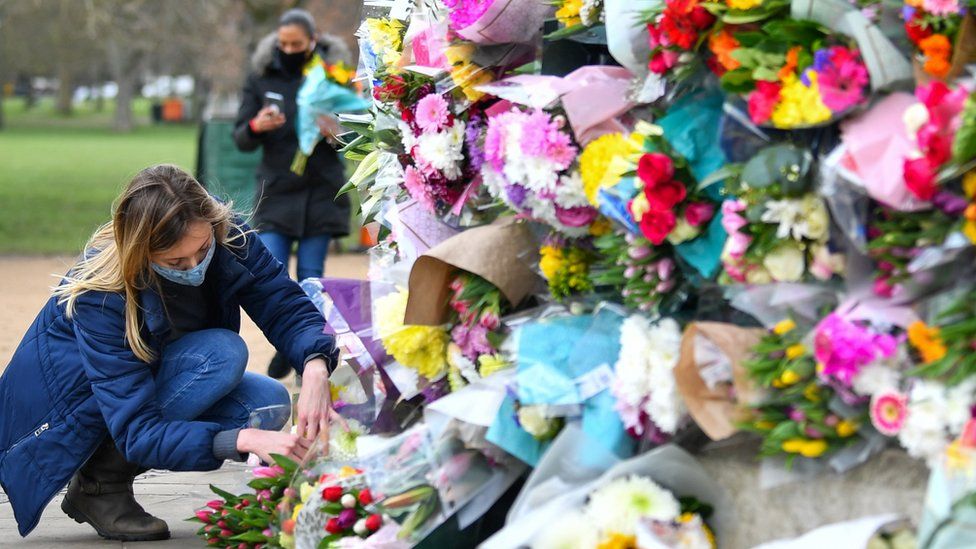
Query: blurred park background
<point>91,91</point>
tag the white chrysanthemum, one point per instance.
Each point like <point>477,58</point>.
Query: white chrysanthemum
<point>788,213</point>
<point>665,406</point>
<point>406,136</point>
<point>959,401</point>
<point>443,150</point>
<point>875,378</point>
<point>571,531</point>
<point>570,193</point>
<point>924,433</point>
<point>616,507</point>
<point>922,441</point>
<point>631,367</point>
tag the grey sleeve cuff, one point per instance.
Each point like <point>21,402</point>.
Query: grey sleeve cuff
<point>225,446</point>
<point>328,361</point>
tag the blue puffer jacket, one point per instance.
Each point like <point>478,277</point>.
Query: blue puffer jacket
<point>73,380</point>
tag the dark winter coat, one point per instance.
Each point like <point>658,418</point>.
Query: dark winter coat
<point>295,205</point>
<point>72,381</point>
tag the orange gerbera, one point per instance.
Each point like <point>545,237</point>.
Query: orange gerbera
<point>927,340</point>
<point>792,60</point>
<point>936,49</point>
<point>722,44</point>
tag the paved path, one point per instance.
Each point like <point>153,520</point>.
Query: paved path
<point>24,287</point>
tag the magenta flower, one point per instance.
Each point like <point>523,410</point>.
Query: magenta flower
<point>579,216</point>
<point>699,213</point>
<point>843,347</point>
<point>347,518</point>
<point>842,79</point>
<point>889,410</point>
<point>464,13</point>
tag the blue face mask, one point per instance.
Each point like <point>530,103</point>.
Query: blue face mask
<point>191,277</point>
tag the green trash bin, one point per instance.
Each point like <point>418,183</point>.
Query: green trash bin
<point>226,171</point>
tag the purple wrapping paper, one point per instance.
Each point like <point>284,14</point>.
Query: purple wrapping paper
<point>352,315</point>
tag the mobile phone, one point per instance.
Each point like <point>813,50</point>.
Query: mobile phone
<point>274,100</point>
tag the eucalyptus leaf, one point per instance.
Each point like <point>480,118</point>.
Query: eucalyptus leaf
<point>784,164</point>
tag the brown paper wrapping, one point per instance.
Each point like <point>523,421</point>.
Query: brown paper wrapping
<point>716,411</point>
<point>502,253</point>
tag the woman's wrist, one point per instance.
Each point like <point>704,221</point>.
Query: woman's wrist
<point>316,369</point>
<point>244,440</point>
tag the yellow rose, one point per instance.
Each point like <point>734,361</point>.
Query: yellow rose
<point>784,326</point>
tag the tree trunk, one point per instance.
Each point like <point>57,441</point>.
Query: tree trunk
<point>65,88</point>
<point>123,64</point>
<point>123,103</point>
<point>1,105</point>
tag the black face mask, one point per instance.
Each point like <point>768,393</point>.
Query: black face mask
<point>291,62</point>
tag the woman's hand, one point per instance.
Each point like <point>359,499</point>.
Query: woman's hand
<point>328,127</point>
<point>265,443</point>
<point>315,402</point>
<point>267,119</point>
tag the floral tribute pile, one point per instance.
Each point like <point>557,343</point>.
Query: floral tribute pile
<point>759,217</point>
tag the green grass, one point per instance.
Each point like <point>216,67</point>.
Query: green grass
<point>58,176</point>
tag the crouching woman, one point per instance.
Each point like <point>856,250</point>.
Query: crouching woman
<point>135,362</point>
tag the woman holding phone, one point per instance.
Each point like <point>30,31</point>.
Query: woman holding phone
<point>135,361</point>
<point>291,208</point>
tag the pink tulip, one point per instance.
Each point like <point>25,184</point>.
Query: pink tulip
<point>272,471</point>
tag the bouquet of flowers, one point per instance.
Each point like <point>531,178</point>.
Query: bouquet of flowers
<point>935,28</point>
<point>791,73</point>
<point>936,125</point>
<point>328,89</point>
<point>945,349</point>
<point>565,264</point>
<point>798,417</point>
<point>529,164</point>
<point>645,275</point>
<point>926,417</point>
<point>896,238</point>
<point>576,16</point>
<point>476,337</point>
<point>381,42</point>
<point>439,166</point>
<point>632,511</point>
<point>778,226</point>
<point>647,397</point>
<point>421,348</point>
<point>247,520</point>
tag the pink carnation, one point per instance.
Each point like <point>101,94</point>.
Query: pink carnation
<point>416,187</point>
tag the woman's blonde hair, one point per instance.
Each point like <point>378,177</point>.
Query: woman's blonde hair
<point>151,216</point>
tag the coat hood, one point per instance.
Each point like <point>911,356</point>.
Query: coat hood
<point>332,48</point>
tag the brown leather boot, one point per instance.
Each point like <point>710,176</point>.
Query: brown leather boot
<point>100,493</point>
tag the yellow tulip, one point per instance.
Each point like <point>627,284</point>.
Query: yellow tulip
<point>813,448</point>
<point>795,351</point>
<point>846,428</point>
<point>784,326</point>
<point>789,377</point>
<point>793,445</point>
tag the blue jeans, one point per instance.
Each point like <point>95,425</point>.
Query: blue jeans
<point>311,252</point>
<point>201,377</point>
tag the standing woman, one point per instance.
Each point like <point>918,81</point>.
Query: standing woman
<point>292,208</point>
<point>136,362</point>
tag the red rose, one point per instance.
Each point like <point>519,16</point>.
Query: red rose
<point>701,18</point>
<point>374,522</point>
<point>920,178</point>
<point>656,225</point>
<point>665,196</point>
<point>655,168</point>
<point>332,526</point>
<point>763,100</point>
<point>915,30</point>
<point>365,497</point>
<point>699,213</point>
<point>332,493</point>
